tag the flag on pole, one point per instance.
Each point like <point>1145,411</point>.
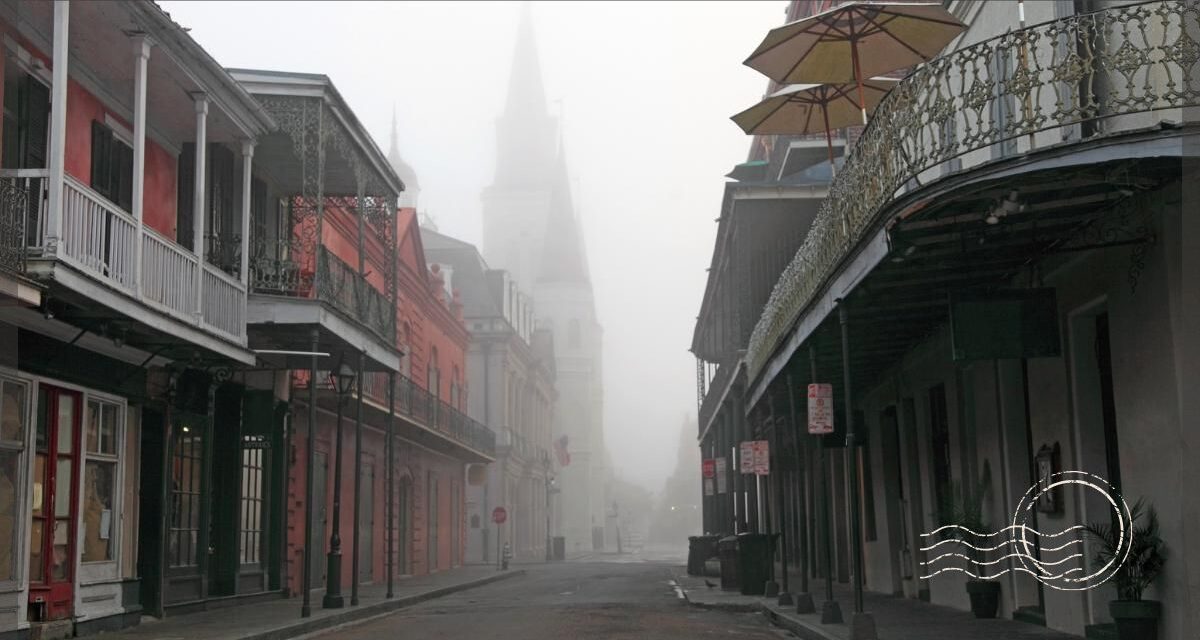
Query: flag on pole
<point>560,448</point>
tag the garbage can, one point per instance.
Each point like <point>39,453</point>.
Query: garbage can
<point>753,562</point>
<point>700,549</point>
<point>560,548</point>
<point>727,551</point>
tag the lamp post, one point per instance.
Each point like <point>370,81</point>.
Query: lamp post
<point>343,383</point>
<point>549,478</point>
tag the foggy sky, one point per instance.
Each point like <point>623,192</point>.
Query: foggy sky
<point>645,91</point>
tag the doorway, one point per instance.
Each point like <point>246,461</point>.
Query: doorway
<point>54,513</point>
<point>403,525</point>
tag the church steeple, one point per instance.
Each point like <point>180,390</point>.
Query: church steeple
<point>564,258</point>
<point>525,131</point>
<point>407,175</point>
<point>526,92</point>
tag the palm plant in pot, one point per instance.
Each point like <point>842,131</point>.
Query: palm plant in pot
<point>1136,618</point>
<point>965,509</point>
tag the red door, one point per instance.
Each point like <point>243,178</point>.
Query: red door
<point>52,533</point>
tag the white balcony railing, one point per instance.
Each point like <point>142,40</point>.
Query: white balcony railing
<point>100,239</point>
<point>169,276</point>
<point>224,303</point>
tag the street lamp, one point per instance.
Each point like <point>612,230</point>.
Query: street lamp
<point>549,478</point>
<point>343,382</point>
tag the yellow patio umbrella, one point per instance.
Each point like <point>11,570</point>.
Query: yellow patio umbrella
<point>803,109</point>
<point>854,41</point>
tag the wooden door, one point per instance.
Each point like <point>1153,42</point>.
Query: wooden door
<point>52,548</point>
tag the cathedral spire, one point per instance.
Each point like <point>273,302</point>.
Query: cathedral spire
<point>407,175</point>
<point>564,259</point>
<point>526,92</point>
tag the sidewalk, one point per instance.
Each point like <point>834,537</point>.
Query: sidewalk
<point>280,619</point>
<point>896,618</point>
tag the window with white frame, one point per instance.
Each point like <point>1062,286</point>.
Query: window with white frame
<point>101,435</point>
<point>13,417</point>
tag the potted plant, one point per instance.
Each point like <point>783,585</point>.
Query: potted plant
<point>1136,619</point>
<point>965,509</point>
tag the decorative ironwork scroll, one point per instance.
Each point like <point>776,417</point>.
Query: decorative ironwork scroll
<point>1077,75</point>
<point>14,204</point>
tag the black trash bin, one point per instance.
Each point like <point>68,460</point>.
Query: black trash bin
<point>700,549</point>
<point>754,562</point>
<point>727,551</point>
<point>560,548</point>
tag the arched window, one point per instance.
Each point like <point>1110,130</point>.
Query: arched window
<point>454,388</point>
<point>573,334</point>
<point>431,374</point>
<point>406,348</point>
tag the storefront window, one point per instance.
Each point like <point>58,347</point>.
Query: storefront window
<point>250,534</point>
<point>99,481</point>
<point>186,467</point>
<point>12,447</point>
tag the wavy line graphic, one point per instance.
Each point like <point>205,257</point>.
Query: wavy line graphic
<point>1011,527</point>
<point>1014,569</point>
<point>1040,563</point>
<point>995,548</point>
<point>1025,540</point>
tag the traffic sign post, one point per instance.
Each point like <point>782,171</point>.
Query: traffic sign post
<point>820,409</point>
<point>499,515</point>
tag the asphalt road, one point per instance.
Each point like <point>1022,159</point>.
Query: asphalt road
<point>607,598</point>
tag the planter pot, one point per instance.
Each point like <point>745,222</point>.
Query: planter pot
<point>985,597</point>
<point>1136,619</point>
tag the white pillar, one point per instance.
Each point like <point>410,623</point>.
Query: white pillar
<point>141,55</point>
<point>247,166</point>
<point>198,197</point>
<point>57,161</point>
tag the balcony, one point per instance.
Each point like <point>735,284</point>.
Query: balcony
<point>517,445</point>
<point>420,416</point>
<point>100,241</point>
<point>323,259</point>
<point>1047,90</point>
<point>716,390</point>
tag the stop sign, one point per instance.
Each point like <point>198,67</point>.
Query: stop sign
<point>499,515</point>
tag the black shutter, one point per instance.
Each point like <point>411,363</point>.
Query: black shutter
<point>123,170</point>
<point>102,159</point>
<point>186,190</point>
<point>36,122</point>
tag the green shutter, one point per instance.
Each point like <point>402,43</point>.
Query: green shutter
<point>187,188</point>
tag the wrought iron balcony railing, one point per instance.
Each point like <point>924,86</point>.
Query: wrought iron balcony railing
<point>276,269</point>
<point>1059,82</point>
<point>418,405</point>
<point>715,391</point>
<point>18,195</point>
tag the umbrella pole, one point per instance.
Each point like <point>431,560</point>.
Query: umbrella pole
<point>858,79</point>
<point>828,139</point>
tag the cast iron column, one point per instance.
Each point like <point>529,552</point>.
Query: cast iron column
<point>862,626</point>
<point>358,425</point>
<point>391,478</point>
<point>333,574</point>
<point>804,602</point>
<point>311,459</point>
<point>831,613</point>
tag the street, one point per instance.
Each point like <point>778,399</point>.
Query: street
<point>606,597</point>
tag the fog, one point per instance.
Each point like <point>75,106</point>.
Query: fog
<point>644,92</point>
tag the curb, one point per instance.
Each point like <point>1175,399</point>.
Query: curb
<point>360,615</point>
<point>776,618</point>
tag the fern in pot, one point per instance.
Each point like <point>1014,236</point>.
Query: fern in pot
<point>1136,619</point>
<point>966,510</point>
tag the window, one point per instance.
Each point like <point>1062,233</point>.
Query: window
<point>432,523</point>
<point>187,459</point>
<point>26,120</point>
<point>112,166</point>
<point>250,530</point>
<point>13,416</point>
<point>939,429</point>
<point>99,480</point>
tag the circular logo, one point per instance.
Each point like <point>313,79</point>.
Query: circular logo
<point>1058,550</point>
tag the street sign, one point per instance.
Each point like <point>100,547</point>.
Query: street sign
<point>746,457</point>
<point>722,475</point>
<point>708,486</point>
<point>820,409</point>
<point>709,467</point>
<point>762,457</point>
<point>499,515</point>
